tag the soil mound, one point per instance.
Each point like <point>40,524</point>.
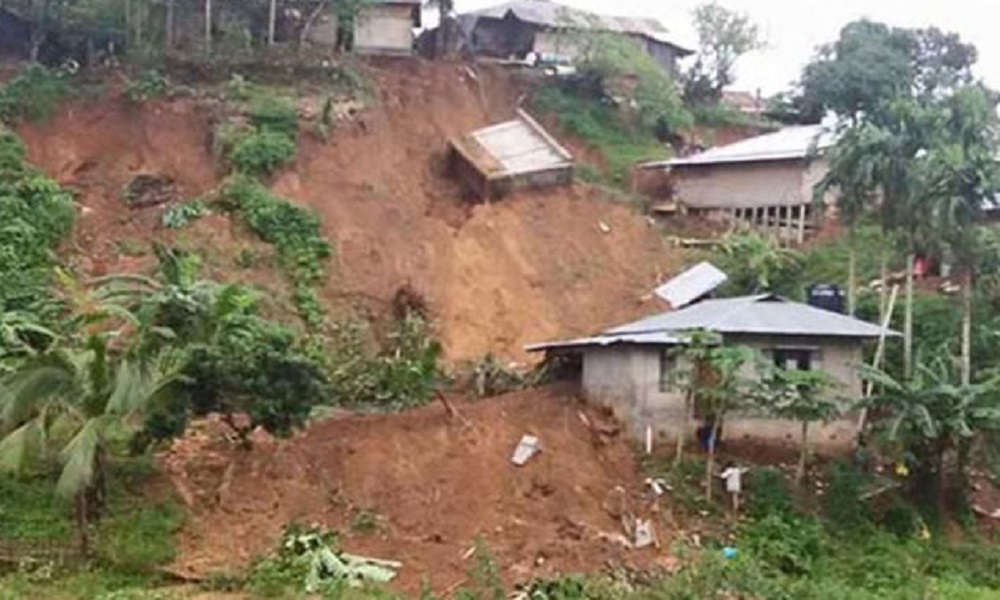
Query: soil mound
<point>421,487</point>
<point>495,276</point>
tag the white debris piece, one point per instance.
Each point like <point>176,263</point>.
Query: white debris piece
<point>526,448</point>
<point>644,535</point>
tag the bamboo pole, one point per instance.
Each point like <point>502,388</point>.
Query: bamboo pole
<point>879,352</point>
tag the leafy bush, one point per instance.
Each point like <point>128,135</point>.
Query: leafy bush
<point>275,114</point>
<point>403,373</point>
<point>148,85</point>
<point>768,493</point>
<point>182,215</point>
<point>786,543</point>
<point>293,230</point>
<point>34,94</point>
<point>841,500</point>
<point>35,214</point>
<point>613,61</point>
<point>262,152</point>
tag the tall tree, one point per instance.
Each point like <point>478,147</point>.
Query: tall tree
<point>871,63</point>
<point>723,37</point>
<point>964,179</point>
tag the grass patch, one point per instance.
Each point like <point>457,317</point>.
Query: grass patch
<point>619,144</point>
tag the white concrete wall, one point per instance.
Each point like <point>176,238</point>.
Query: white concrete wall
<point>384,29</point>
<point>627,380</point>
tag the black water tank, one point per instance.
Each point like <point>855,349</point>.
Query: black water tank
<point>826,296</point>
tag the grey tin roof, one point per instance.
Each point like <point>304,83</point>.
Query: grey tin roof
<point>559,16</point>
<point>786,144</point>
<point>656,338</point>
<point>763,314</point>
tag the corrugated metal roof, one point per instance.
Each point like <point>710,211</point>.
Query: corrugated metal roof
<point>522,146</point>
<point>691,285</point>
<point>762,314</point>
<point>559,16</point>
<point>658,338</point>
<point>788,143</point>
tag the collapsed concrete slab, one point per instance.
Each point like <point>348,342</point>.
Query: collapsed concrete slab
<point>493,161</point>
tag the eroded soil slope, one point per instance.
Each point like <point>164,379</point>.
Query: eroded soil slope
<point>497,276</point>
<point>431,485</point>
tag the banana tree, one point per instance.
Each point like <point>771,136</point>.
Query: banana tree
<point>933,413</point>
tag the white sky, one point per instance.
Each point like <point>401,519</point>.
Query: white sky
<point>793,28</point>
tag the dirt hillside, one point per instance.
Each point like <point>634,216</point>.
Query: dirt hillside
<point>497,276</point>
<point>432,484</point>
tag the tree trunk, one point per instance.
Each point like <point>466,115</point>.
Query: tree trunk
<point>316,12</point>
<point>800,472</point>
<point>168,42</point>
<point>208,26</point>
<point>883,291</point>
<point>82,522</point>
<point>966,369</point>
<point>852,274</point>
<point>681,434</point>
<point>908,319</point>
<point>272,18</point>
<point>713,441</point>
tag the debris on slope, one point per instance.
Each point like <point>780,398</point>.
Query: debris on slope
<point>437,485</point>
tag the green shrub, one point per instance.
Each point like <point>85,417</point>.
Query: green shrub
<point>34,94</point>
<point>841,499</point>
<point>789,544</point>
<point>294,231</point>
<point>275,114</point>
<point>263,152</point>
<point>768,493</point>
<point>148,85</point>
<point>403,372</point>
<point>182,215</point>
<point>35,215</point>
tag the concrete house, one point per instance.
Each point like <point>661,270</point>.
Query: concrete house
<point>382,27</point>
<point>629,368</point>
<point>515,29</point>
<point>764,182</point>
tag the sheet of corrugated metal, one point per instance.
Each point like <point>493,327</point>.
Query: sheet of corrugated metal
<point>692,284</point>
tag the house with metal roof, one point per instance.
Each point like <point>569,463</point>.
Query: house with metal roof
<point>630,368</point>
<point>518,28</point>
<point>381,27</point>
<point>764,182</point>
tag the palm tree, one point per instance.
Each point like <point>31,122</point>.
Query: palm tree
<point>965,178</point>
<point>87,389</point>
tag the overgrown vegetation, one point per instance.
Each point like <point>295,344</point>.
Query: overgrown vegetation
<point>294,231</point>
<point>621,103</point>
<point>270,140</point>
<point>181,215</point>
<point>147,85</point>
<point>34,94</point>
<point>36,213</point>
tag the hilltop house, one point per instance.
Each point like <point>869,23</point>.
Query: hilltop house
<point>628,368</point>
<point>519,27</point>
<point>764,182</point>
<point>381,27</point>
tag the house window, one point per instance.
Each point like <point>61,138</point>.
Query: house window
<point>801,359</point>
<point>667,364</point>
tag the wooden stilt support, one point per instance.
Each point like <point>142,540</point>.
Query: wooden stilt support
<point>802,223</point>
